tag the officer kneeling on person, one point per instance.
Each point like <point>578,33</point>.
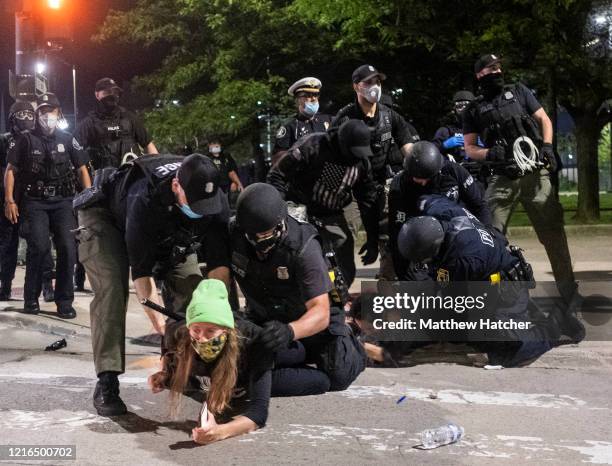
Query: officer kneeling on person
<point>151,215</point>
<point>43,162</point>
<point>460,248</point>
<point>281,270</point>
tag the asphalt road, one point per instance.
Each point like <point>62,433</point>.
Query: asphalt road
<point>556,411</point>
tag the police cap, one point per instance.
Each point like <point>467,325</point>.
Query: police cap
<point>199,178</point>
<point>484,61</point>
<point>420,239</point>
<point>365,72</point>
<point>105,84</point>
<point>47,100</point>
<point>305,85</point>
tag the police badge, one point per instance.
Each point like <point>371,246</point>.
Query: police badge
<point>282,273</point>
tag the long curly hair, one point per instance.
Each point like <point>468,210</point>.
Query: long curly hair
<point>223,377</point>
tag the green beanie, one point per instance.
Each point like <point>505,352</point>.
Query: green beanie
<point>209,303</point>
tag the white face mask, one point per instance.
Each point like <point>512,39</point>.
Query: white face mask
<point>372,94</point>
<point>48,122</point>
<point>215,149</point>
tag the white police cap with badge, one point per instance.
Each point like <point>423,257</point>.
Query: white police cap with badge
<point>305,85</point>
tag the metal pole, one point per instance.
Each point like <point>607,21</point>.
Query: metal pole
<point>74,95</point>
<point>19,43</point>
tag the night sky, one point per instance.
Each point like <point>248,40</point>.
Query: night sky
<point>93,61</point>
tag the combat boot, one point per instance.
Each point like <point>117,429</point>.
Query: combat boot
<point>106,395</point>
<point>5,291</point>
<point>31,307</point>
<point>66,311</point>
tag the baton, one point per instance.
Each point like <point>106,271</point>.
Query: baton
<point>161,309</point>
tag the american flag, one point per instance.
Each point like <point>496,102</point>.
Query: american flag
<point>333,188</point>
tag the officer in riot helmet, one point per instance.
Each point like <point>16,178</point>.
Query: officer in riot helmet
<point>426,171</point>
<point>45,163</point>
<point>111,134</point>
<point>517,135</point>
<point>323,171</point>
<point>21,120</point>
<point>308,119</point>
<point>151,216</point>
<point>458,247</point>
<point>280,267</point>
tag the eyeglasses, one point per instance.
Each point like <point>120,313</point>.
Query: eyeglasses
<point>25,115</point>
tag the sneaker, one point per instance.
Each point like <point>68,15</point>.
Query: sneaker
<point>47,291</point>
<point>66,312</point>
<point>31,307</point>
<point>106,396</point>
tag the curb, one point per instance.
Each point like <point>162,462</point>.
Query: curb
<point>19,321</point>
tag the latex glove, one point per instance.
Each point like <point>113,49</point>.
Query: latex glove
<point>371,253</point>
<point>496,154</point>
<point>453,141</point>
<point>547,154</point>
<point>479,142</point>
<point>275,335</point>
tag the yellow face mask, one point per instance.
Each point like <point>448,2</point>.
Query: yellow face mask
<point>211,349</point>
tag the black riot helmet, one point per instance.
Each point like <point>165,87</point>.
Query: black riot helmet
<point>420,239</point>
<point>354,140</point>
<point>461,100</point>
<point>260,208</point>
<point>423,161</point>
<point>21,117</point>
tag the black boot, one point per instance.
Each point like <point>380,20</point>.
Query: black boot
<point>569,324</point>
<point>31,307</point>
<point>66,311</point>
<point>47,290</point>
<point>106,396</point>
<point>5,291</point>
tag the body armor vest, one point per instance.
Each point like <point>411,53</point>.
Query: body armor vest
<point>114,138</point>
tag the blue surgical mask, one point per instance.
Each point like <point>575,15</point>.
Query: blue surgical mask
<point>190,213</point>
<point>310,108</point>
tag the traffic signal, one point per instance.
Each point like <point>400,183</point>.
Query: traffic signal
<point>56,21</point>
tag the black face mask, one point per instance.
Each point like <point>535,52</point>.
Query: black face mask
<point>264,246</point>
<point>492,83</point>
<point>110,102</point>
<point>22,126</point>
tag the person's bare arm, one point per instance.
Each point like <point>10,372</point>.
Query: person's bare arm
<point>151,149</point>
<point>472,149</point>
<point>84,177</point>
<point>406,148</point>
<point>545,125</point>
<point>314,320</point>
<point>11,211</point>
<point>220,273</point>
<point>213,432</point>
<point>236,184</point>
<point>146,289</point>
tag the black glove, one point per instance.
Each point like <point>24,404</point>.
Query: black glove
<point>547,154</point>
<point>275,335</point>
<point>371,253</point>
<point>496,153</point>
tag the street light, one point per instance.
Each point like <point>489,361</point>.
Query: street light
<point>40,68</point>
<point>54,4</point>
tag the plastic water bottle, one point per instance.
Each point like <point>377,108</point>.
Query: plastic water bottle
<point>434,438</point>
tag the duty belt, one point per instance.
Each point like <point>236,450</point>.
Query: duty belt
<point>48,191</point>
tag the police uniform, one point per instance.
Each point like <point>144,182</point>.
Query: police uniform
<point>472,251</point>
<point>45,167</point>
<point>312,174</point>
<point>300,125</point>
<point>109,135</point>
<point>453,182</point>
<point>278,288</point>
<point>502,119</point>
<point>139,226</point>
<point>9,233</point>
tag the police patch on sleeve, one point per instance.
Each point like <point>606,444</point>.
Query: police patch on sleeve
<point>76,144</point>
<point>282,131</point>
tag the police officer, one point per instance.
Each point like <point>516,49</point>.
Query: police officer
<point>282,272</point>
<point>449,137</point>
<point>44,162</point>
<point>225,163</point>
<point>518,135</point>
<point>426,171</point>
<point>21,120</point>
<point>110,131</point>
<point>308,120</point>
<point>323,171</point>
<point>461,248</point>
<point>152,216</point>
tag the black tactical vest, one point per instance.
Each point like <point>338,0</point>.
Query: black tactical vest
<point>47,164</point>
<point>114,138</point>
<point>504,119</point>
<point>271,287</point>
